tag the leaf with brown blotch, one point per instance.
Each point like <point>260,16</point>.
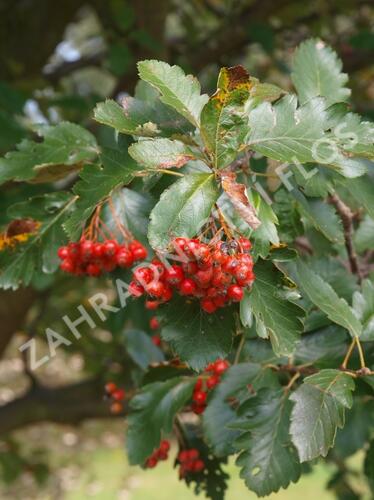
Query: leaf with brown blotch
<point>238,197</point>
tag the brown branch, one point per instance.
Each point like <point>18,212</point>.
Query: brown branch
<point>346,217</point>
<point>68,404</point>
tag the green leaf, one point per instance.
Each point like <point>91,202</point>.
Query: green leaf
<point>282,318</point>
<point>238,382</point>
<point>223,121</point>
<point>139,118</point>
<point>322,216</point>
<point>353,134</point>
<point>363,307</point>
<point>132,209</point>
<point>319,410</point>
<point>97,183</point>
<point>39,253</point>
<point>290,134</point>
<point>161,153</point>
<point>183,209</point>
<point>152,413</point>
<point>364,236</point>
<point>325,347</point>
<point>317,72</point>
<point>369,465</point>
<point>246,316</point>
<point>197,337</point>
<point>362,190</point>
<point>268,461</point>
<point>180,91</point>
<point>64,149</point>
<point>142,350</point>
<point>325,297</point>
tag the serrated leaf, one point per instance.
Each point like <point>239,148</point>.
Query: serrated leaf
<point>322,216</point>
<point>161,153</point>
<point>292,134</point>
<point>180,91</point>
<point>363,307</point>
<point>325,297</point>
<point>39,253</point>
<point>319,410</point>
<point>139,118</point>
<point>183,209</point>
<point>282,318</point>
<point>269,461</point>
<point>141,349</point>
<point>97,182</point>
<point>238,383</point>
<point>356,136</point>
<point>364,236</point>
<point>317,72</point>
<point>362,190</point>
<point>152,412</point>
<point>197,337</point>
<point>64,149</point>
<point>223,121</point>
<point>325,347</point>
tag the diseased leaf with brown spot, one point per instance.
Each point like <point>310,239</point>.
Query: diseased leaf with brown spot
<point>223,121</point>
<point>21,226</point>
<point>238,197</point>
<point>162,153</point>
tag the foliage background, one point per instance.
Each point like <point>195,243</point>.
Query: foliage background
<point>57,59</point>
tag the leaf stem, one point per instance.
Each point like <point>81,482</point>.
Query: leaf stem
<point>239,349</point>
<point>292,381</point>
<point>169,172</point>
<point>349,353</point>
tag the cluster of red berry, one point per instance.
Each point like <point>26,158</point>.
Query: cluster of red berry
<point>92,258</point>
<point>116,395</point>
<point>216,274</point>
<point>190,461</point>
<point>202,386</point>
<point>161,453</point>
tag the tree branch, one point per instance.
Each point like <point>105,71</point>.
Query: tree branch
<point>68,404</point>
<point>346,217</point>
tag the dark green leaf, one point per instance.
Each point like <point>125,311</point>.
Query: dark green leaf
<point>267,459</point>
<point>140,347</point>
<point>363,307</point>
<point>319,410</point>
<point>197,337</point>
<point>152,413</point>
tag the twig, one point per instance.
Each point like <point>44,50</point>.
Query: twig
<point>346,217</point>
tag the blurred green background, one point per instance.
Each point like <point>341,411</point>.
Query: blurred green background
<point>57,59</point>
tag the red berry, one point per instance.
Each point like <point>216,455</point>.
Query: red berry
<point>98,250</point>
<point>86,249</point>
<point>143,275</point>
<point>198,466</point>
<point>110,387</point>
<point>118,395</point>
<point>199,397</point>
<point>162,455</point>
<point>63,252</point>
<point>138,251</point>
<point>110,248</point>
<point>67,266</point>
<point>124,257</point>
<point>245,244</point>
<point>212,381</point>
<point>193,454</point>
<point>116,408</point>
<point>167,294</point>
<point>235,292</point>
<point>198,385</point>
<point>154,324</point>
<point>174,275</point>
<point>183,456</point>
<point>156,289</point>
<point>73,249</point>
<point>93,270</point>
<point>151,462</point>
<point>220,366</point>
<point>208,306</point>
<point>135,289</point>
<point>152,304</point>
<point>198,409</point>
<point>156,339</point>
<point>188,287</point>
<point>165,445</point>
